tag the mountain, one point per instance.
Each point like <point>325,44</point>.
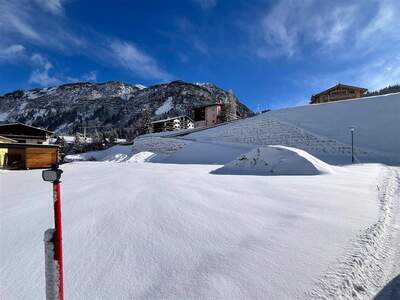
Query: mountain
<point>114,104</point>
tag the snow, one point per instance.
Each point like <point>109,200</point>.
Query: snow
<point>275,161</point>
<point>176,231</point>
<point>323,130</point>
<point>165,107</point>
<point>375,120</point>
<point>116,153</point>
<point>3,116</point>
<point>179,217</point>
<point>140,86</point>
<point>32,94</point>
<point>141,157</point>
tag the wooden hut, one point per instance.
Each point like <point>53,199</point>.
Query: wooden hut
<point>28,156</point>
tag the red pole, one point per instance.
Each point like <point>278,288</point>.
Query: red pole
<point>58,237</point>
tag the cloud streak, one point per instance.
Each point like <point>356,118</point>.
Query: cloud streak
<point>11,52</point>
<point>43,23</point>
<point>129,56</point>
<point>291,26</point>
<point>40,75</point>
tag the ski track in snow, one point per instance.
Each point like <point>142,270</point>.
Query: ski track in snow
<point>370,259</point>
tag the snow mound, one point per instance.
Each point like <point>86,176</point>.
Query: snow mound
<point>275,160</point>
<point>118,153</point>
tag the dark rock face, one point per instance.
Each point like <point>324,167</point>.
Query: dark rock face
<point>66,108</point>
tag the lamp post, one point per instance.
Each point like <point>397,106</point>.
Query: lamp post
<point>53,241</point>
<point>352,144</point>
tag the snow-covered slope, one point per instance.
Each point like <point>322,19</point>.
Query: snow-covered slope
<point>168,231</point>
<point>323,130</point>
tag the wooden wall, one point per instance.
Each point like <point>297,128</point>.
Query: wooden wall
<point>40,157</point>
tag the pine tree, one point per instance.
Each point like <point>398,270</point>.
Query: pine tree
<point>147,127</point>
<point>78,145</point>
<point>230,109</point>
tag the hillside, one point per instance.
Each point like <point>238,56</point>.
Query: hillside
<point>323,129</point>
<point>113,104</point>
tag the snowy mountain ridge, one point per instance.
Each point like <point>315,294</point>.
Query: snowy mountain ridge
<point>113,104</point>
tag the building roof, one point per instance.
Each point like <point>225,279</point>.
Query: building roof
<point>3,138</point>
<point>171,118</point>
<point>24,145</point>
<point>13,128</point>
<point>342,86</point>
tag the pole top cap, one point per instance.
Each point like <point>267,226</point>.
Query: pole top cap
<point>52,175</point>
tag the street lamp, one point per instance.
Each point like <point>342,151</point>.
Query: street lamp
<point>53,240</point>
<point>352,144</point>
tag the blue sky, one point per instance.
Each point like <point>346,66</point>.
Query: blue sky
<point>269,53</point>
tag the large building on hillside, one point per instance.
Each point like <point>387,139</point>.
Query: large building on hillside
<point>338,92</point>
<point>173,123</point>
<point>207,115</point>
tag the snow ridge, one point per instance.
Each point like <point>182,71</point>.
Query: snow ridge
<point>363,273</point>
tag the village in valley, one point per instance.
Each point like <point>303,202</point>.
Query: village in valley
<point>206,149</point>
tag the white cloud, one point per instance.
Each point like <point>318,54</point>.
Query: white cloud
<point>11,52</point>
<point>382,27</point>
<point>43,69</point>
<point>15,19</point>
<point>381,73</point>
<point>40,75</point>
<point>372,74</point>
<point>206,4</point>
<point>87,77</point>
<point>42,23</point>
<point>292,27</point>
<point>30,22</point>
<point>52,6</point>
<point>129,56</point>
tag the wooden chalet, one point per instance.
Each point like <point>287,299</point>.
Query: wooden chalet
<point>25,147</point>
<point>23,133</point>
<point>173,123</point>
<point>338,92</point>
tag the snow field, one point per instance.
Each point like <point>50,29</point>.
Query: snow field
<point>170,231</point>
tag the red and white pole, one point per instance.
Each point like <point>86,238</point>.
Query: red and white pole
<point>58,238</point>
<point>53,241</point>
